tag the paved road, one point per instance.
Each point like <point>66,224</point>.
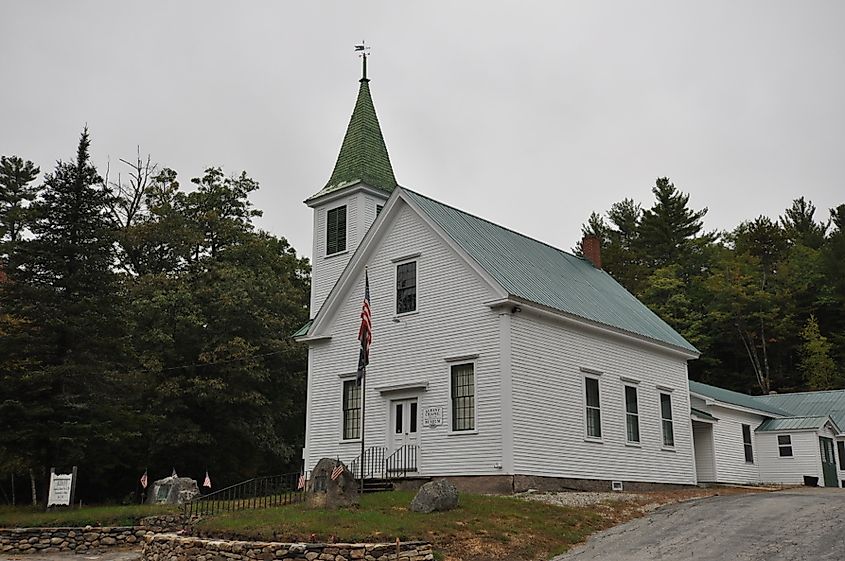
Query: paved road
<point>110,556</point>
<point>794,525</point>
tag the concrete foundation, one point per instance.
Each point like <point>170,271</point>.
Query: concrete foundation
<point>509,484</point>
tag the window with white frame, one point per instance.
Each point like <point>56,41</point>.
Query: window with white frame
<point>463,396</point>
<point>406,287</point>
<point>785,446</point>
<point>746,444</point>
<point>351,410</point>
<point>336,230</point>
<point>666,421</point>
<point>840,447</point>
<point>592,401</point>
<point>632,415</point>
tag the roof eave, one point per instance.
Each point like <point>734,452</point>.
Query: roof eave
<point>512,300</point>
<point>344,190</point>
<point>719,403</point>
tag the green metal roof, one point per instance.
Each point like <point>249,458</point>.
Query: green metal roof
<point>702,414</point>
<point>736,398</point>
<point>363,154</point>
<point>793,423</point>
<point>811,404</point>
<point>302,331</point>
<point>537,272</point>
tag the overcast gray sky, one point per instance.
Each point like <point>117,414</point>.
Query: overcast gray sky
<point>529,114</point>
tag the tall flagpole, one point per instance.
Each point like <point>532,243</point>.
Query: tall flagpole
<point>365,336</point>
<point>364,356</point>
<point>363,383</point>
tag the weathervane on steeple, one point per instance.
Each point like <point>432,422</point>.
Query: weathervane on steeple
<point>362,49</point>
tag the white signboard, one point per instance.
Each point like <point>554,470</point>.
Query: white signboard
<point>60,485</point>
<point>432,416</point>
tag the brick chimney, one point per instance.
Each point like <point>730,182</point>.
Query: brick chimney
<point>591,248</point>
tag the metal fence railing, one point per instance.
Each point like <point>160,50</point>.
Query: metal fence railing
<point>259,492</point>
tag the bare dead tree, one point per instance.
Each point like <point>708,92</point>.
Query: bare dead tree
<point>129,196</point>
<point>127,201</point>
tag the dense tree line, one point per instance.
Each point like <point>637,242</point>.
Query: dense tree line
<point>764,303</point>
<point>144,326</point>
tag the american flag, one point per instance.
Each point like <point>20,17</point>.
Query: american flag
<point>207,481</point>
<point>365,333</point>
<point>301,483</point>
<point>144,480</point>
<point>337,471</point>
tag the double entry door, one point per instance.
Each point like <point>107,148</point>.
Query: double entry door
<point>402,435</point>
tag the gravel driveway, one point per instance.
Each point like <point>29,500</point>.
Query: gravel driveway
<point>799,524</point>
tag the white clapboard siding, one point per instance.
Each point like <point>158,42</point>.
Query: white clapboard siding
<point>805,460</point>
<point>705,465</point>
<point>360,214</point>
<point>731,466</point>
<point>451,321</point>
<point>548,406</point>
<point>839,463</point>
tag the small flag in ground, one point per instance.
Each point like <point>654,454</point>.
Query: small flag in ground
<point>144,480</point>
<point>174,473</point>
<point>365,332</point>
<point>301,483</point>
<point>207,481</point>
<point>337,471</point>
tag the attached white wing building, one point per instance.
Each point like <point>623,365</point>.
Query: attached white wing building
<point>781,438</point>
<point>497,360</point>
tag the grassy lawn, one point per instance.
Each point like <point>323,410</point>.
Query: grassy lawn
<point>482,527</point>
<point>23,517</point>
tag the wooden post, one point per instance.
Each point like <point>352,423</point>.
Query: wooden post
<point>32,487</point>
<point>397,548</point>
<point>47,492</point>
<point>73,489</point>
<point>13,488</point>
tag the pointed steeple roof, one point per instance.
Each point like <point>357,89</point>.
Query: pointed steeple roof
<point>363,154</point>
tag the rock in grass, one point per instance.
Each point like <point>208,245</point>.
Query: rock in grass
<point>435,496</point>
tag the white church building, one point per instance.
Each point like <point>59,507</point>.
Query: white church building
<point>497,360</point>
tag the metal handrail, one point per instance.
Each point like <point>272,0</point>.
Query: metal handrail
<point>402,461</point>
<point>258,492</point>
<point>372,464</point>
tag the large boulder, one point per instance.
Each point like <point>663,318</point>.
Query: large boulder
<point>435,496</point>
<point>325,492</point>
<point>173,490</point>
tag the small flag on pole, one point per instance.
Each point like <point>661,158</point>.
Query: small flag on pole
<point>207,481</point>
<point>337,471</point>
<point>144,480</point>
<point>174,473</point>
<point>365,332</point>
<point>301,483</point>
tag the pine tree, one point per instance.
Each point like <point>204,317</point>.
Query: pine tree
<point>64,354</point>
<point>16,194</point>
<point>667,228</point>
<point>800,225</point>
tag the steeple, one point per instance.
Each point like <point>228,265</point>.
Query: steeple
<point>363,154</point>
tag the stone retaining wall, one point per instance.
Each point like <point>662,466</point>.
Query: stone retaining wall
<point>79,540</point>
<point>168,522</point>
<point>170,547</point>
